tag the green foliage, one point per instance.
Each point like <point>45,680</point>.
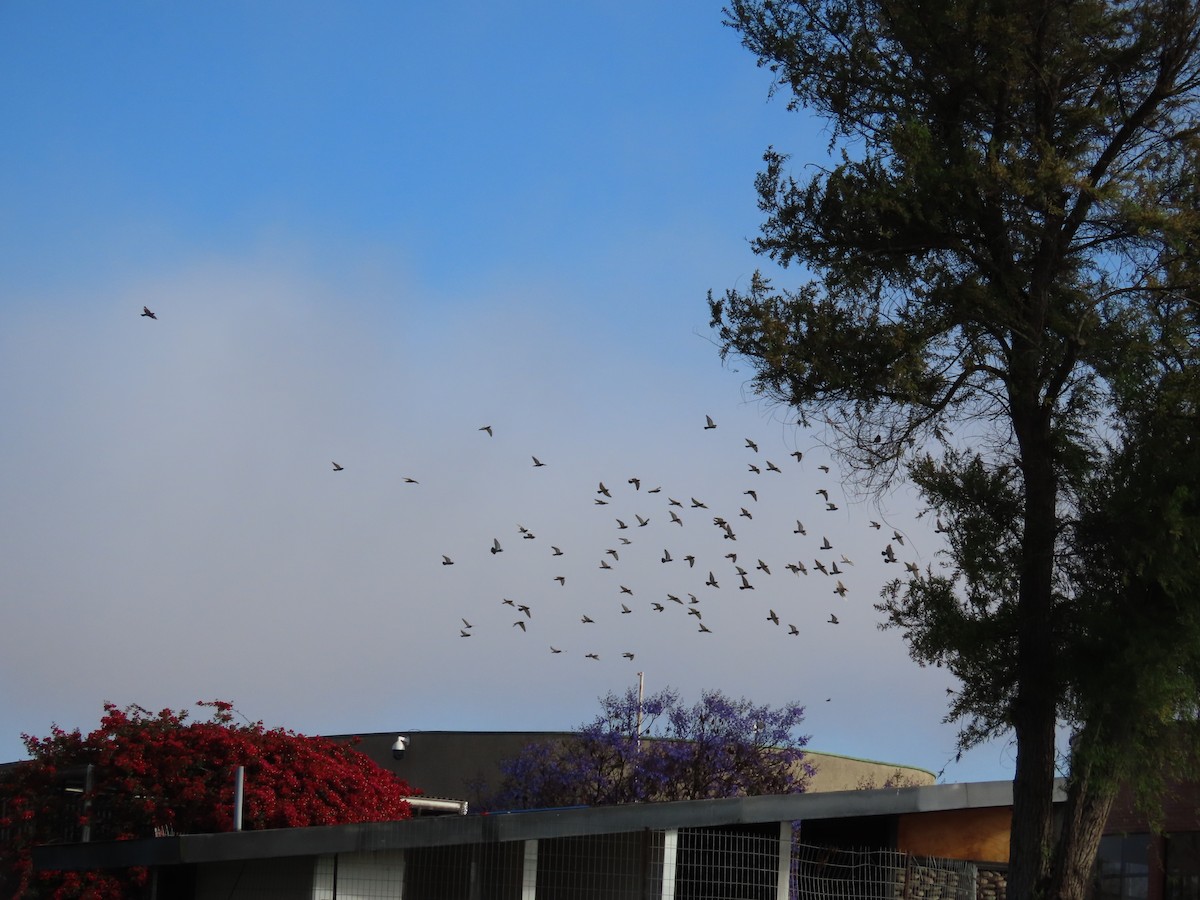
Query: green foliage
<point>1005,283</point>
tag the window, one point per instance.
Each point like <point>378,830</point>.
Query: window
<point>1182,866</point>
<point>1123,868</point>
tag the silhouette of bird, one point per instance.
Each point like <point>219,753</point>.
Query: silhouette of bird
<point>671,501</point>
<point>913,568</point>
<point>637,483</point>
<point>676,599</point>
<point>704,629</point>
<point>746,585</point>
<point>847,560</point>
<point>554,551</point>
<point>658,607</point>
<point>745,512</point>
<point>875,525</point>
<point>825,545</point>
<point>898,537</point>
<point>625,610</point>
<point>763,567</point>
<point>488,429</point>
<point>820,567</point>
<point>753,446</point>
<point>772,617</point>
<point>692,611</point>
<point>799,529</point>
<point>696,504</point>
<point>463,633</point>
<point>496,548</point>
<point>888,554</point>
<point>752,494</point>
<point>599,502</point>
<point>833,620</point>
<point>675,517</point>
<point>447,561</point>
<point>712,580</point>
<point>709,423</point>
<point>613,554</point>
<point>691,561</point>
<point>604,564</point>
<point>627,655</point>
<point>537,463</point>
<point>840,590</point>
<point>525,609</point>
<point>554,649</point>
<point>692,598</point>
<point>520,623</point>
<point>337,468</point>
<point>603,490</point>
<point>625,590</point>
<point>595,656</point>
<point>831,507</point>
<point>796,568</point>
<point>824,469</point>
<point>753,468</point>
<point>508,602</point>
<point>666,557</point>
<point>587,620</point>
<point>621,525</point>
<point>792,629</point>
<point>146,312</point>
<point>642,523</point>
<point>824,493</point>
<point>771,467</point>
<point>799,456</point>
<point>408,480</point>
<point>466,624</point>
<point>561,579</point>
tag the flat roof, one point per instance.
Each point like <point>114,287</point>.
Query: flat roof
<point>438,831</point>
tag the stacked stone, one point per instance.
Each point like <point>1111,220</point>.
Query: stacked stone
<point>991,885</point>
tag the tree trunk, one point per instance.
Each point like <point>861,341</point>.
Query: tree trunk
<point>1088,804</point>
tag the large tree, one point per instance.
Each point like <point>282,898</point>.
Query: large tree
<point>642,749</point>
<point>1002,305</point>
<point>141,773</point>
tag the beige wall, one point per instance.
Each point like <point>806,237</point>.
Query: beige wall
<point>844,773</point>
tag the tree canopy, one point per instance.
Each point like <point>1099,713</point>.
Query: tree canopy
<point>658,748</point>
<point>1002,306</point>
<point>155,773</point>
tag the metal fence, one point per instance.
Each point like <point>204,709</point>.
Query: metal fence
<point>742,863</point>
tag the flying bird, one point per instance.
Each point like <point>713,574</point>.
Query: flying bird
<point>753,468</point>
<point>799,529</point>
<point>704,629</point>
<point>799,456</point>
<point>520,623</point>
<point>561,579</point>
<point>763,567</point>
<point>627,655</point>
<point>599,502</point>
<point>824,469</point>
<point>820,567</point>
<point>696,504</point>
<point>773,618</point>
<point>408,480</point>
<point>746,585</point>
<point>447,561</point>
<point>525,609</point>
<point>658,607</point>
<point>604,564</point>
<point>824,493</point>
<point>463,633</point>
<point>752,494</point>
<point>913,568</point>
<point>595,656</point>
<point>753,446</point>
<point>671,501</point>
<point>691,561</point>
<point>712,580</point>
<point>625,590</point>
<point>675,517</point>
<point>676,599</point>
<point>488,429</point>
<point>508,602</point>
<point>637,483</point>
<point>694,612</point>
<point>496,548</point>
<point>825,545</point>
<point>554,649</point>
<point>875,525</point>
<point>554,551</point>
<point>337,468</point>
<point>792,629</point>
<point>771,467</point>
<point>888,554</point>
<point>847,560</point>
<point>833,620</point>
<point>709,423</point>
<point>146,312</point>
<point>642,523</point>
<point>466,624</point>
<point>603,490</point>
<point>666,557</point>
<point>613,554</point>
<point>745,512</point>
<point>587,620</point>
<point>831,507</point>
<point>898,537</point>
<point>621,525</point>
<point>840,590</point>
<point>625,610</point>
<point>537,463</point>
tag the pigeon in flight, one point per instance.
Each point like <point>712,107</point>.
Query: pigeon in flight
<point>146,312</point>
<point>603,490</point>
<point>840,590</point>
<point>627,655</point>
<point>755,469</point>
<point>691,561</point>
<point>496,548</point>
<point>520,623</point>
<point>337,468</point>
<point>488,429</point>
<point>709,424</point>
<point>554,649</point>
<point>820,567</point>
<point>595,656</point>
<point>625,590</point>
<point>408,480</point>
<point>763,567</point>
<point>825,545</point>
<point>554,551</point>
<point>898,537</point>
<point>752,494</point>
<point>712,580</point>
<point>696,504</point>
<point>704,629</point>
<point>666,557</point>
<point>799,456</point>
<point>525,609</point>
<point>625,610</point>
<point>746,585</point>
<point>753,446</point>
<point>792,629</point>
<point>888,554</point>
<point>637,483</point>
<point>447,561</point>
<point>463,633</point>
<point>642,523</point>
<point>833,620</point>
<point>561,579</point>
<point>658,607</point>
<point>537,463</point>
<point>675,517</point>
<point>771,467</point>
<point>773,617</point>
<point>799,529</point>
<point>587,620</point>
<point>466,624</point>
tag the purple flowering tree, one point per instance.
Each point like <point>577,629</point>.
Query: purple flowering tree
<point>717,747</point>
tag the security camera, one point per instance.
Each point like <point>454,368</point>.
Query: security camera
<point>399,747</point>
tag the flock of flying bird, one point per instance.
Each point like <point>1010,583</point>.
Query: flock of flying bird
<point>700,576</point>
<point>659,520</point>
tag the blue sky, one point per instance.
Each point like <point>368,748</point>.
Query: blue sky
<point>368,229</point>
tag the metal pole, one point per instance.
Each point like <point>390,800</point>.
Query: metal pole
<point>239,779</point>
<point>641,690</point>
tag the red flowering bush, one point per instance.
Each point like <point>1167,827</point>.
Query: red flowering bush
<point>160,773</point>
